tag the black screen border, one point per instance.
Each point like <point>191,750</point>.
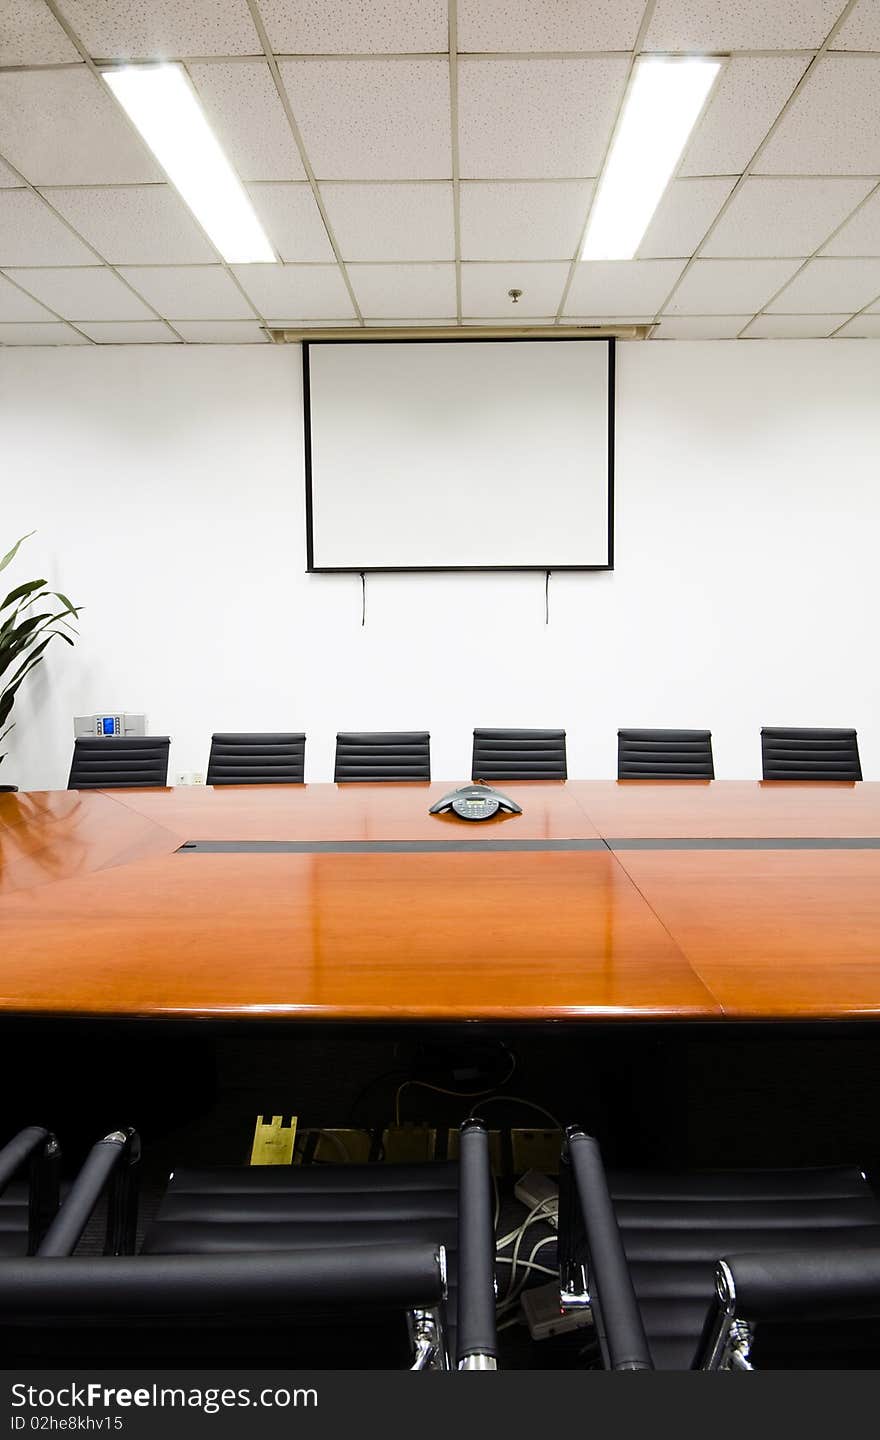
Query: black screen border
<point>313,569</point>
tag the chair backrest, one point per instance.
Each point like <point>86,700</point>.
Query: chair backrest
<point>798,754</point>
<point>519,755</point>
<point>665,755</point>
<point>119,762</point>
<point>257,759</point>
<point>382,755</point>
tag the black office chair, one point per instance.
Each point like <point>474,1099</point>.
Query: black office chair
<point>257,759</point>
<point>797,754</point>
<point>645,1253</point>
<point>272,1248</point>
<point>382,755</point>
<point>519,755</point>
<point>665,755</point>
<point>119,762</point>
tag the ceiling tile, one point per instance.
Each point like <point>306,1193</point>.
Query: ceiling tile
<point>221,332</point>
<point>30,35</point>
<point>193,292</point>
<point>699,327</point>
<point>784,217</point>
<point>162,29</point>
<point>53,334</point>
<point>245,110</point>
<point>829,286</point>
<point>499,25</point>
<point>642,319</point>
<point>528,220</point>
<point>314,324</point>
<point>130,332</point>
<point>292,221</point>
<point>792,327</point>
<point>748,96</point>
<point>740,25</point>
<point>83,294</point>
<point>15,305</point>
<point>134,224</point>
<point>404,291</point>
<point>531,322</point>
<point>525,119</point>
<point>391,222</point>
<point>61,127</point>
<point>484,288</point>
<point>337,27</point>
<point>621,287</point>
<point>861,234</point>
<point>31,235</point>
<point>408,320</point>
<point>729,287</point>
<point>862,327</point>
<point>298,292</point>
<point>684,215</point>
<point>861,29</point>
<point>373,119</point>
<point>832,126</point>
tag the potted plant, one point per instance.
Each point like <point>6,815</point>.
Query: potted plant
<point>25,632</point>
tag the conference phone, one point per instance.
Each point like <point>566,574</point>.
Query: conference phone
<point>475,802</point>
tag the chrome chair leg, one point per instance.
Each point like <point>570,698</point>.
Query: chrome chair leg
<point>427,1333</point>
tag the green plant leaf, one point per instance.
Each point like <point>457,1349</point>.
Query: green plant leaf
<point>10,692</point>
<point>5,706</point>
<point>29,660</point>
<point>28,626</point>
<point>11,554</point>
<point>20,591</point>
<point>24,636</point>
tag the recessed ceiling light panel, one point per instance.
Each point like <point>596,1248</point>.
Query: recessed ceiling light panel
<point>664,101</point>
<point>163,106</point>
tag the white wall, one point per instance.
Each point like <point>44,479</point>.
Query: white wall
<point>166,486</point>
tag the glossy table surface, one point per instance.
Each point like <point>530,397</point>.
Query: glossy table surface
<point>633,900</point>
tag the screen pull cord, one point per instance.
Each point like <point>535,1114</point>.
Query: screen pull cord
<point>547,598</point>
<point>363,599</point>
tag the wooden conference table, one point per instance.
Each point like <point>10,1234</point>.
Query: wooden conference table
<point>603,900</point>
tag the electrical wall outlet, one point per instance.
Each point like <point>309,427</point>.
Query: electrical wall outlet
<point>189,777</point>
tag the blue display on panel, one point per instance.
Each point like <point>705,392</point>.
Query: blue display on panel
<point>108,726</point>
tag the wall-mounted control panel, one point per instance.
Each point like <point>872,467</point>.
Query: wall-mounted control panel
<point>109,723</point>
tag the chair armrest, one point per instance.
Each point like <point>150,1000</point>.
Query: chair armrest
<point>611,1292</point>
<point>110,1163</point>
<point>256,1284</point>
<point>477,1340</point>
<point>837,1283</point>
<point>785,1284</point>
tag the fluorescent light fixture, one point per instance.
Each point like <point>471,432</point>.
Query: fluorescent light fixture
<point>163,106</point>
<point>659,113</point>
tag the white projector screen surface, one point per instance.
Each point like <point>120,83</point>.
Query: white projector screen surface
<point>458,454</point>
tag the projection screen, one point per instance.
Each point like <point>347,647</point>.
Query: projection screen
<point>459,454</point>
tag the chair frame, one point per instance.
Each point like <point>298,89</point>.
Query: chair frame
<point>136,1285</point>
<point>777,1285</point>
